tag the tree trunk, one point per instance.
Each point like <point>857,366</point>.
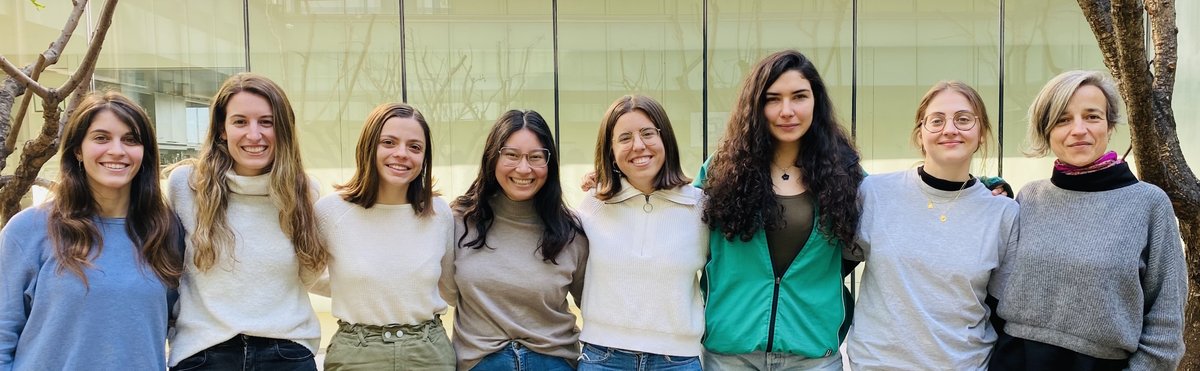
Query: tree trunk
<point>1119,27</point>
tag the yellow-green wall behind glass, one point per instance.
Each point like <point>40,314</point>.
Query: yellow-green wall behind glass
<point>743,32</point>
<point>469,63</point>
<point>1041,39</point>
<point>904,48</point>
<point>336,62</point>
<point>612,48</point>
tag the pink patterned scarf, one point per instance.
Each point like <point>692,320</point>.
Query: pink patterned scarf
<point>1106,161</point>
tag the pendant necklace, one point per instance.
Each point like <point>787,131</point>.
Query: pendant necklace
<point>785,175</point>
<point>950,205</point>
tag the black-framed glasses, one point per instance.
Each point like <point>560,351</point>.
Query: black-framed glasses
<point>936,122</point>
<point>626,139</point>
<point>510,156</point>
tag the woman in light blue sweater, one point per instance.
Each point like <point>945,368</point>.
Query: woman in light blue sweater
<point>83,286</point>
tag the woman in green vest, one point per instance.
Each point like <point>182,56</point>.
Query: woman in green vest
<point>782,205</point>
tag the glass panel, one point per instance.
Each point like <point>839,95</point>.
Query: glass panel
<point>1187,81</point>
<point>904,48</point>
<point>337,60</point>
<point>30,32</point>
<point>743,32</point>
<point>1041,40</point>
<point>612,48</point>
<point>170,57</point>
<point>469,62</point>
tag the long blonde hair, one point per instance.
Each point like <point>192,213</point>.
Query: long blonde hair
<point>290,189</point>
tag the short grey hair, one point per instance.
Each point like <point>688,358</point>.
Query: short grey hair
<point>1052,101</point>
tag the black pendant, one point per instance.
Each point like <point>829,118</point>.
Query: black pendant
<point>786,176</point>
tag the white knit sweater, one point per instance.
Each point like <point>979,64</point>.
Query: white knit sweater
<point>642,290</point>
<point>387,260</point>
<point>256,289</point>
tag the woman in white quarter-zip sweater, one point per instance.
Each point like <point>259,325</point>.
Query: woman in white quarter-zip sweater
<point>647,243</point>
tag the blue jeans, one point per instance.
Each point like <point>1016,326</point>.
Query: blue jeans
<point>763,361</point>
<point>245,352</point>
<point>602,358</point>
<point>515,356</point>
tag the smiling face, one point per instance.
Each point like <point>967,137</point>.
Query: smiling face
<point>111,154</point>
<point>788,107</point>
<point>520,180</point>
<point>952,147</point>
<point>250,133</point>
<point>400,155</point>
<point>638,149</point>
<point>1080,134</point>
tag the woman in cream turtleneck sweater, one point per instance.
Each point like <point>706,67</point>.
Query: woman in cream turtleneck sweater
<point>252,242</point>
<point>519,252</point>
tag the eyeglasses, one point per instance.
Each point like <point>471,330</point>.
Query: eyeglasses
<point>647,134</point>
<point>512,157</point>
<point>935,123</point>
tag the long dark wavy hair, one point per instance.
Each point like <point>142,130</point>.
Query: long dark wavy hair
<point>740,196</point>
<point>150,224</point>
<point>561,226</point>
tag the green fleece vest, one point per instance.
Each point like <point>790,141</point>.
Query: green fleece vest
<point>740,293</point>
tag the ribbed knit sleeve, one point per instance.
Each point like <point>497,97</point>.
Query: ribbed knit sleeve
<point>1164,282</point>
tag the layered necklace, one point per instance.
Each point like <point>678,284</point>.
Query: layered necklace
<point>944,208</point>
<point>948,206</point>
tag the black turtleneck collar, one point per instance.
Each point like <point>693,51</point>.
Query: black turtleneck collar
<point>1116,176</point>
<point>942,184</point>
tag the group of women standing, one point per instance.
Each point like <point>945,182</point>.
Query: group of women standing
<point>740,269</point>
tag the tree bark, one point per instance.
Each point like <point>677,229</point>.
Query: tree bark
<point>1120,31</point>
<point>38,151</point>
<point>11,88</point>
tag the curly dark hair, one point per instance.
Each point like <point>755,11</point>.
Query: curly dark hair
<point>561,225</point>
<point>740,196</point>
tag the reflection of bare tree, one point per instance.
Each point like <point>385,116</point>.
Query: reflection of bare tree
<point>452,90</point>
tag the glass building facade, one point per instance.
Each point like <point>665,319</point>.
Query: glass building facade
<point>464,62</point>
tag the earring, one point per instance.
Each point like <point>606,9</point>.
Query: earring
<point>615,168</point>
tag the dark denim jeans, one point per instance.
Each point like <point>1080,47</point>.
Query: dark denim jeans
<point>516,357</point>
<point>602,358</point>
<point>245,352</point>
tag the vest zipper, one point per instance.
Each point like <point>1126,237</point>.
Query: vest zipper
<point>774,309</point>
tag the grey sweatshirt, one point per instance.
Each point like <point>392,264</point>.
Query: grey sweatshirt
<point>922,301</point>
<point>1099,273</point>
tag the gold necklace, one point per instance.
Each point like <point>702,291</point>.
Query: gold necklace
<point>929,197</point>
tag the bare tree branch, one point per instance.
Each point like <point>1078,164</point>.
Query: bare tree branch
<point>55,50</point>
<point>93,52</point>
<point>10,143</point>
<point>40,182</point>
<point>1163,32</point>
<point>22,78</point>
<point>1099,17</point>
